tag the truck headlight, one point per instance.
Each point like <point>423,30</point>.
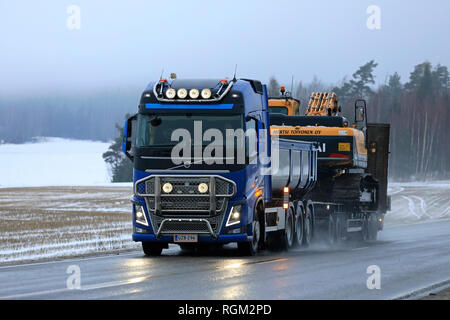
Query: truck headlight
<point>206,93</point>
<point>182,93</point>
<point>202,187</point>
<point>167,187</point>
<point>139,215</point>
<point>235,216</point>
<point>170,93</point>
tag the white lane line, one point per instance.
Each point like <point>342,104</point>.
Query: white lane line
<point>361,248</point>
<point>30,294</point>
<point>87,287</point>
<point>71,260</point>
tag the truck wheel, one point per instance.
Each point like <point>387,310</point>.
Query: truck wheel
<point>152,249</point>
<point>289,230</point>
<point>332,230</point>
<point>364,231</point>
<point>299,226</point>
<point>250,248</point>
<point>308,227</point>
<point>340,223</point>
<point>372,228</point>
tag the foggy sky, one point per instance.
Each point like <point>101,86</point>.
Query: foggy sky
<point>127,43</point>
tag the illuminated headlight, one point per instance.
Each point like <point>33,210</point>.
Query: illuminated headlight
<point>170,93</point>
<point>203,188</point>
<point>235,216</point>
<point>182,93</point>
<point>194,93</point>
<point>167,187</point>
<point>206,93</point>
<point>139,215</point>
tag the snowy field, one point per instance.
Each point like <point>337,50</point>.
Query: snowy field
<point>53,162</point>
<point>56,201</point>
<point>418,201</point>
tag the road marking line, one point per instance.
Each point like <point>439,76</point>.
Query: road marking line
<point>88,287</point>
<point>361,248</point>
<point>112,255</point>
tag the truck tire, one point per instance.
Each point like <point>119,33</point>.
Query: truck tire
<point>152,249</point>
<point>372,228</point>
<point>250,248</point>
<point>332,230</point>
<point>364,231</point>
<point>288,241</point>
<point>341,228</point>
<point>299,226</point>
<point>308,227</point>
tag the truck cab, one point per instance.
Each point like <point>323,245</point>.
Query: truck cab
<point>195,169</point>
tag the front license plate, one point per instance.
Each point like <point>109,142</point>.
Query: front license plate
<point>185,238</point>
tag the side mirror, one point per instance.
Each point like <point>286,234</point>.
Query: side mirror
<point>249,118</point>
<point>128,135</point>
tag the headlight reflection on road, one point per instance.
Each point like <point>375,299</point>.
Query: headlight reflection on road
<point>234,265</point>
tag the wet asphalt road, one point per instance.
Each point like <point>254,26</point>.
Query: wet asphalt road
<point>410,257</point>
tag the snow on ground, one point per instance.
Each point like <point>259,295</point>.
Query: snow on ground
<point>53,162</point>
<point>54,222</point>
<point>418,201</point>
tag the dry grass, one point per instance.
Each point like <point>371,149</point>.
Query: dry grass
<point>52,222</point>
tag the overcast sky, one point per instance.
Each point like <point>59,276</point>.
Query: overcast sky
<point>127,43</point>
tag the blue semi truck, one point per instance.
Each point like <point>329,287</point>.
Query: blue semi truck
<point>208,170</point>
<point>234,193</point>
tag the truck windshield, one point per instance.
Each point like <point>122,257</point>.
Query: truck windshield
<point>155,130</point>
<point>282,110</point>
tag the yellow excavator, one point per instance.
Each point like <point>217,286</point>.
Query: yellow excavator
<point>352,159</point>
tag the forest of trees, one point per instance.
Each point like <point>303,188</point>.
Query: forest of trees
<point>418,111</point>
<point>89,116</point>
<point>417,108</point>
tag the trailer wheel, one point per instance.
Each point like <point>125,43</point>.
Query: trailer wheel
<point>308,227</point>
<point>340,224</point>
<point>364,231</point>
<point>289,229</point>
<point>372,228</point>
<point>299,226</point>
<point>332,230</point>
<point>152,249</point>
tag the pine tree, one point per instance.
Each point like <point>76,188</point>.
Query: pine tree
<point>274,87</point>
<point>121,166</point>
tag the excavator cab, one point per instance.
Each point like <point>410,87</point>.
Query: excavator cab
<point>284,104</point>
<point>361,118</point>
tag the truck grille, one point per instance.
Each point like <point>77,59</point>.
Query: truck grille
<point>185,201</point>
<point>183,225</point>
